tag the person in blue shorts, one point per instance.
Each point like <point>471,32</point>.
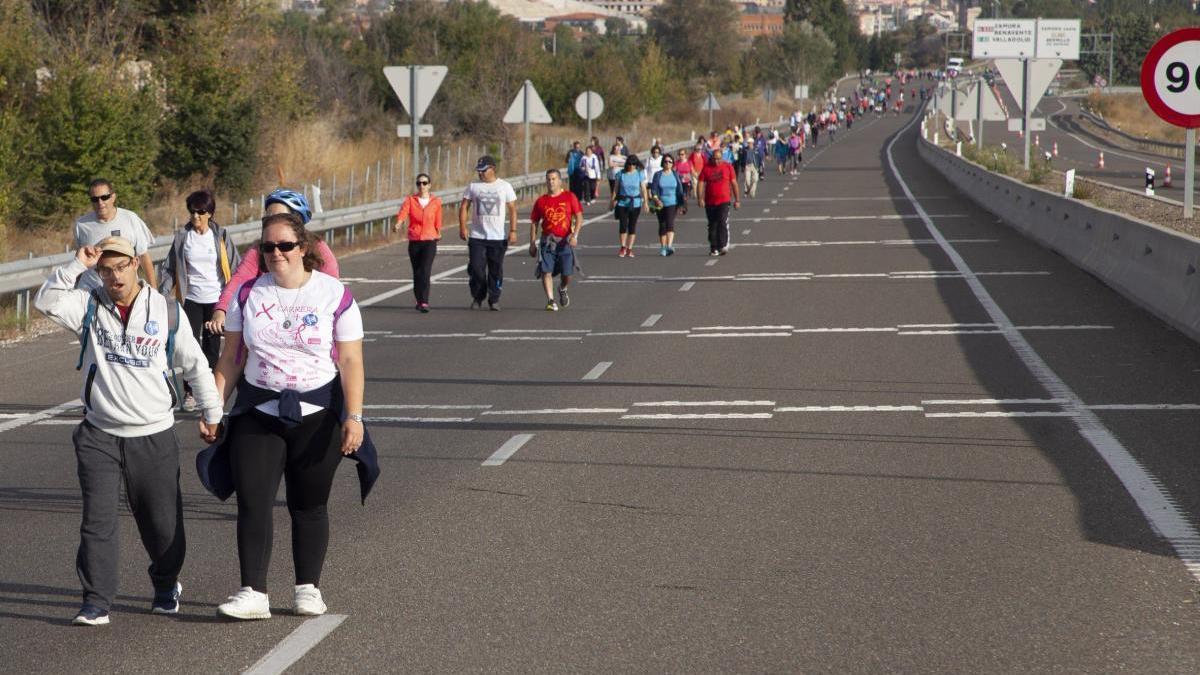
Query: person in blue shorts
<point>554,222</point>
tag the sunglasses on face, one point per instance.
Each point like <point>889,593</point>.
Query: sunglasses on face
<point>101,198</point>
<point>110,272</point>
<point>199,212</point>
<point>283,246</point>
<point>422,182</point>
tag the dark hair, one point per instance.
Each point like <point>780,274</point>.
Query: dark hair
<point>201,200</point>
<point>632,160</point>
<point>555,172</point>
<point>100,181</point>
<point>426,176</point>
<point>312,259</point>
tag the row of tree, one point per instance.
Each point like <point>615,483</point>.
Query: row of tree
<point>154,93</point>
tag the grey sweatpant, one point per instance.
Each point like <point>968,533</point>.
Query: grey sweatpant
<point>149,465</point>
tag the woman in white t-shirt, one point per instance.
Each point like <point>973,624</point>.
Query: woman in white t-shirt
<point>197,268</point>
<point>298,412</point>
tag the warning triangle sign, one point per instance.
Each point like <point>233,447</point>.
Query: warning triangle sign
<point>527,107</point>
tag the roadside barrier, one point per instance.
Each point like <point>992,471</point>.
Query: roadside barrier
<point>1153,266</point>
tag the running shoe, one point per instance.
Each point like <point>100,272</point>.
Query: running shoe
<point>90,615</point>
<point>714,252</point>
<point>629,252</point>
<point>621,253</point>
<point>662,250</point>
<point>308,601</point>
<point>423,307</point>
<point>563,298</point>
<point>551,306</point>
<point>246,604</point>
<point>723,251</point>
<point>670,250</point>
<point>167,602</point>
<point>189,403</point>
<point>476,303</point>
<point>494,306</point>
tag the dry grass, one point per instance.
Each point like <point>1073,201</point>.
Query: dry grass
<point>1129,113</point>
<point>378,167</point>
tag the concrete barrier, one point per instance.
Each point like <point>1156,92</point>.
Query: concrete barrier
<point>1151,265</point>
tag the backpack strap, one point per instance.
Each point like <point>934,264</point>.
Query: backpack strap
<point>172,329</point>
<point>223,256</point>
<point>243,294</point>
<point>88,317</point>
<point>343,305</point>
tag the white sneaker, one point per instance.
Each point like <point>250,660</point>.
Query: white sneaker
<point>247,603</point>
<point>308,601</point>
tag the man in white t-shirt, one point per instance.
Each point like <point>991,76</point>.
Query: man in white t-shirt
<point>106,220</point>
<point>487,201</point>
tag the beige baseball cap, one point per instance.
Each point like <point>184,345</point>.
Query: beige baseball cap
<point>116,245</point>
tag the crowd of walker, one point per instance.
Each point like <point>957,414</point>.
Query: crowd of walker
<point>274,324</point>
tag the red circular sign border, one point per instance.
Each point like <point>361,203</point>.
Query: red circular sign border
<point>1149,93</point>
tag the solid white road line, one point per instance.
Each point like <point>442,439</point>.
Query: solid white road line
<point>882,329</point>
<point>997,401</point>
<point>422,420</point>
<point>687,285</point>
<point>1153,499</point>
<point>682,404</point>
<point>638,332</point>
<point>510,448</point>
<point>423,406</point>
<point>559,411</point>
<point>598,370</point>
<point>1005,413</point>
<point>435,335</point>
<point>700,416</point>
<point>296,645</point>
<point>1145,406</point>
<point>40,415</point>
<point>851,408</point>
<point>542,330</point>
<point>653,319</point>
<point>743,327</point>
<point>530,338</point>
<point>738,335</point>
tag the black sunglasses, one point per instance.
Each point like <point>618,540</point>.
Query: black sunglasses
<point>101,198</point>
<point>199,212</point>
<point>422,182</point>
<point>283,246</point>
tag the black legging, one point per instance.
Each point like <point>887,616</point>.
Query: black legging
<point>666,219</point>
<point>210,343</point>
<point>262,450</point>
<point>627,217</point>
<point>421,254</point>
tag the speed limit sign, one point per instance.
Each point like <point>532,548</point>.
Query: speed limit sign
<point>1171,78</point>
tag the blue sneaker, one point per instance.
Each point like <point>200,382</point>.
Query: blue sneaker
<point>167,602</point>
<point>90,615</point>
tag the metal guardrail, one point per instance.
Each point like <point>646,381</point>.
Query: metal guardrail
<point>24,276</point>
<point>1145,144</point>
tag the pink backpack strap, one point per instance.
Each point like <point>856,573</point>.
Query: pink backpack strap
<point>243,294</point>
<point>347,300</point>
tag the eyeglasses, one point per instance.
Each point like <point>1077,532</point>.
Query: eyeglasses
<point>422,182</point>
<point>283,246</point>
<point>199,212</point>
<point>110,272</point>
<point>101,198</point>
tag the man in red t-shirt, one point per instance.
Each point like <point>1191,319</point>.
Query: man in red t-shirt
<point>718,185</point>
<point>554,228</point>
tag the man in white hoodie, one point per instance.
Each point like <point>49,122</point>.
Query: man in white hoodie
<point>126,329</point>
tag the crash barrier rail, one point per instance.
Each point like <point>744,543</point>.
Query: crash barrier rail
<point>1151,265</point>
<point>23,277</point>
<point>1146,144</point>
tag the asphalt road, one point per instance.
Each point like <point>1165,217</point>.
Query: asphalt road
<point>830,451</point>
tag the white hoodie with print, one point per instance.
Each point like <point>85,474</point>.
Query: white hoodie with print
<point>127,388</point>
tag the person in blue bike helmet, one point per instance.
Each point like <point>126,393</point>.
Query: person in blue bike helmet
<point>279,201</point>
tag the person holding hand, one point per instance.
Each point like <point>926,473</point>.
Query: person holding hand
<point>131,338</point>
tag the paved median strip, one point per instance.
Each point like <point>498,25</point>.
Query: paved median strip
<point>296,645</point>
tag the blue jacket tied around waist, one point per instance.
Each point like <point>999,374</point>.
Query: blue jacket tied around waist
<point>213,466</point>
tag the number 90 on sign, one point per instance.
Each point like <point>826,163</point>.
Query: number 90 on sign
<point>1171,78</point>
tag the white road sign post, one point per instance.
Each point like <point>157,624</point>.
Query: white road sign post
<point>415,87</point>
<point>710,104</point>
<point>527,108</point>
<point>1028,53</point>
<point>1171,87</point>
<point>589,105</point>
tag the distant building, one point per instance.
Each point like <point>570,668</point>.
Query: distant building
<point>757,19</point>
<point>636,7</point>
<point>541,13</point>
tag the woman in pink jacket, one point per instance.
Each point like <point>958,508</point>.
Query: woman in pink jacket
<point>279,201</point>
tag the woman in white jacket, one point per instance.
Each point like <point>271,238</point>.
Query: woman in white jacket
<point>131,338</point>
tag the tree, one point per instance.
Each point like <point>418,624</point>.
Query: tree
<point>654,79</point>
<point>687,31</point>
<point>833,18</point>
<point>802,54</point>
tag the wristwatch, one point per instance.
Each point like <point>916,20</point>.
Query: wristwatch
<point>356,418</point>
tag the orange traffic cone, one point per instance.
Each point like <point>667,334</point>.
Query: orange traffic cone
<point>1055,151</point>
<point>1167,177</point>
<point>1101,163</point>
